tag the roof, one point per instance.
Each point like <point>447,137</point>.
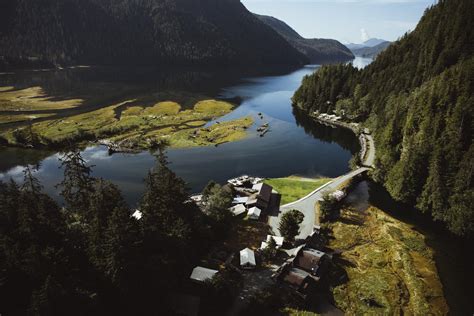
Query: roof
<point>279,240</point>
<point>254,212</point>
<point>264,191</point>
<point>137,215</point>
<point>196,198</point>
<point>251,200</point>
<point>247,257</point>
<point>238,209</point>
<point>308,259</point>
<point>202,274</point>
<point>240,200</point>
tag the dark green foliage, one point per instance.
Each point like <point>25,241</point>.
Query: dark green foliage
<point>417,97</point>
<point>220,292</point>
<point>92,257</point>
<point>328,208</point>
<point>271,250</point>
<point>290,224</point>
<point>138,32</point>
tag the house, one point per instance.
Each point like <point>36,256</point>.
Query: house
<point>247,259</point>
<point>254,213</point>
<point>310,260</point>
<point>238,209</point>
<point>263,195</point>
<point>297,279</point>
<point>201,274</point>
<point>305,270</point>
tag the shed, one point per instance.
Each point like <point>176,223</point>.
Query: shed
<point>201,274</point>
<point>254,213</point>
<point>238,209</point>
<point>247,259</point>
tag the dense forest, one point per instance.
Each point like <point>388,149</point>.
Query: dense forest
<point>317,50</point>
<point>92,257</point>
<point>418,98</point>
<point>138,32</point>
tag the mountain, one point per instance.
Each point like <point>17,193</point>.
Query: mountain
<point>418,99</point>
<point>319,51</point>
<point>139,32</point>
<point>352,46</point>
<point>373,42</point>
<point>371,52</point>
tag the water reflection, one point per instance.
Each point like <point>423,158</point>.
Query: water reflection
<point>293,145</point>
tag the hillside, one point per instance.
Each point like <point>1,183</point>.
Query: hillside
<point>418,98</point>
<point>138,32</point>
<point>318,51</point>
<point>371,52</point>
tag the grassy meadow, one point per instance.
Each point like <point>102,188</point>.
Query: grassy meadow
<point>294,188</point>
<point>390,268</point>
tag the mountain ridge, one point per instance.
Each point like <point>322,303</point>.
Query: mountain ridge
<point>139,32</point>
<point>318,50</point>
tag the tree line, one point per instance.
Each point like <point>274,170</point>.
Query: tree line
<point>417,97</point>
<point>91,256</point>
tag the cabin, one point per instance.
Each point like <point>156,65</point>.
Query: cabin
<point>264,193</point>
<point>305,270</point>
<point>238,209</point>
<point>201,274</point>
<point>254,213</point>
<point>297,279</point>
<point>247,259</point>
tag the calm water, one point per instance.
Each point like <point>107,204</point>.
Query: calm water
<point>361,62</point>
<point>293,146</point>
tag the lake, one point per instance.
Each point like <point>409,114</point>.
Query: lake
<point>294,145</point>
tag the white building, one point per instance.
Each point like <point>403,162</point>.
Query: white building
<point>201,274</point>
<point>247,259</point>
<point>238,209</point>
<point>254,213</point>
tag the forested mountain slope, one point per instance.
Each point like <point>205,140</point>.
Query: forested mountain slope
<point>318,50</point>
<point>139,32</point>
<point>418,98</point>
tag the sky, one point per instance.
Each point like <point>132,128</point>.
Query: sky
<point>349,21</point>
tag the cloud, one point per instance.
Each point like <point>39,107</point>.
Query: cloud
<point>364,36</point>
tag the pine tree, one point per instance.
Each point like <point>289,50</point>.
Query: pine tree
<point>290,224</point>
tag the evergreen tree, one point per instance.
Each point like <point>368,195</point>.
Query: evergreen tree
<point>290,224</point>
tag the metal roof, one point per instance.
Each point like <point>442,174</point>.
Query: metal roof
<point>247,256</point>
<point>202,274</point>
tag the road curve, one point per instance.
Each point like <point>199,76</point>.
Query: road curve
<point>307,205</point>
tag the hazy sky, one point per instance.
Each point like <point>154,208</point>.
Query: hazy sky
<point>345,20</point>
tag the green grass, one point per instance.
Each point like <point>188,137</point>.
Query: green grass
<point>294,188</point>
<point>138,126</point>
